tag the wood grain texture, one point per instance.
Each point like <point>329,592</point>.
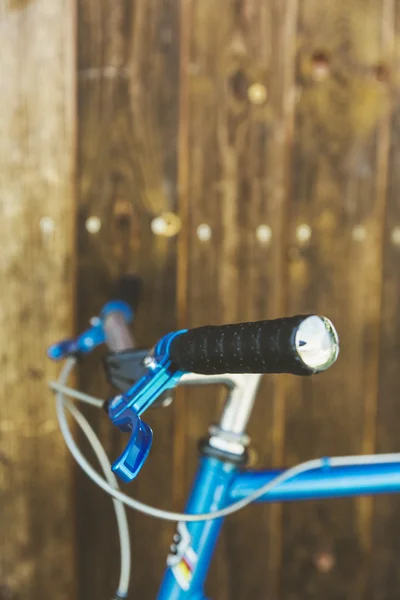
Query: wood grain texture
<point>240,79</point>
<point>337,216</point>
<point>279,114</point>
<point>306,157</point>
<point>37,158</point>
<point>128,102</point>
<point>385,579</point>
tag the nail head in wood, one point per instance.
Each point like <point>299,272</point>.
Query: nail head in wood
<point>303,233</point>
<point>47,225</point>
<point>359,233</point>
<point>204,232</point>
<point>257,93</point>
<point>167,224</point>
<point>264,233</point>
<point>93,224</point>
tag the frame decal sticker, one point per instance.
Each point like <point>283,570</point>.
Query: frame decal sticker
<point>182,559</point>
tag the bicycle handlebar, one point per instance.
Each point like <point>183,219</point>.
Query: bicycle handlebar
<point>301,345</point>
<point>110,327</point>
<point>117,335</point>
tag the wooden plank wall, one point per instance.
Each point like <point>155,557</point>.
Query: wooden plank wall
<point>37,208</point>
<point>128,63</point>
<point>339,180</point>
<point>236,275</point>
<point>264,135</point>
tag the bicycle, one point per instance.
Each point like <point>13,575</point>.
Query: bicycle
<point>235,356</point>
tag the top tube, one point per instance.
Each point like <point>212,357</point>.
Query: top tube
<point>360,480</point>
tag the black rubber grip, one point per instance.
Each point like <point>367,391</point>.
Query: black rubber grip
<point>257,347</point>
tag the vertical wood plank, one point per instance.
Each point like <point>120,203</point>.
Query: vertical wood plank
<point>183,266</point>
<point>240,78</point>
<point>128,90</point>
<point>385,580</point>
<point>37,207</point>
<point>337,215</point>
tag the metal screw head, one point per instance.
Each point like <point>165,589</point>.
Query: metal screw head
<point>257,93</point>
<point>264,233</point>
<point>204,232</point>
<point>303,233</point>
<point>359,233</point>
<point>93,224</point>
<point>395,236</point>
<point>150,362</point>
<point>47,225</point>
<point>167,224</point>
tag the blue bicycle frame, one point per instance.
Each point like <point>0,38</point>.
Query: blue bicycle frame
<point>220,483</point>
<point>220,480</point>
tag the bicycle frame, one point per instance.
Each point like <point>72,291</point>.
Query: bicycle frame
<point>221,478</point>
<point>219,483</point>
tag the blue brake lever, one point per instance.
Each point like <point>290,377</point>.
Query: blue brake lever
<point>125,410</point>
<point>93,337</point>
